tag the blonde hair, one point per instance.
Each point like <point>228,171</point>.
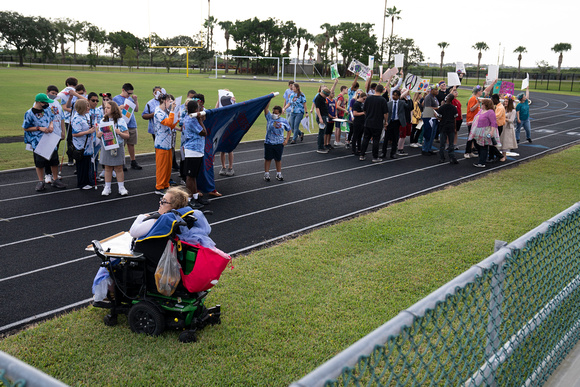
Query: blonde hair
<point>81,106</point>
<point>179,198</point>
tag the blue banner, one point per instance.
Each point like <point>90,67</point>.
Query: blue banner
<point>226,127</point>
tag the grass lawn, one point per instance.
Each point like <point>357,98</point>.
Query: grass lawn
<point>288,308</point>
<point>22,84</point>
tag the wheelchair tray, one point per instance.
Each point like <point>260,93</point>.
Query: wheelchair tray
<point>118,245</point>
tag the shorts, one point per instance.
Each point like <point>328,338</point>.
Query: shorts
<point>41,162</point>
<point>329,127</point>
<point>273,151</point>
<point>132,137</point>
<point>458,124</point>
<point>191,166</point>
<point>405,131</point>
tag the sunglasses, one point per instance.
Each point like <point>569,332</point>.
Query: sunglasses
<point>163,201</point>
<point>94,100</point>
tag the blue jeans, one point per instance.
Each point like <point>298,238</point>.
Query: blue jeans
<point>321,132</point>
<point>428,134</point>
<point>527,128</point>
<point>294,121</point>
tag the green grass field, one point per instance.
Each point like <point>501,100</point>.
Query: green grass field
<point>22,84</point>
<point>288,308</point>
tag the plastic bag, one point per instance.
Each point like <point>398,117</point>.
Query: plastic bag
<point>167,275</point>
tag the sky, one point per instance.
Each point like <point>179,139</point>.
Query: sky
<point>534,24</point>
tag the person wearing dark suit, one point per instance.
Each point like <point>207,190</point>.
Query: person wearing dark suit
<point>397,118</point>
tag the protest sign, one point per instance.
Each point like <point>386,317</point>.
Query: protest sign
<point>127,109</point>
<point>177,110</point>
<point>460,67</point>
<point>357,67</point>
<point>387,75</point>
<point>371,61</point>
<point>47,144</point>
<point>411,82</point>
<point>334,71</point>
<point>506,88</point>
<point>526,82</point>
<point>453,80</point>
<point>109,137</point>
<point>399,59</point>
<point>492,73</point>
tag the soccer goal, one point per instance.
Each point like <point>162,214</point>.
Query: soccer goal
<point>265,67</point>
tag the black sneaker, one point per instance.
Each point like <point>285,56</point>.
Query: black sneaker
<point>134,165</point>
<point>203,200</point>
<point>401,152</point>
<point>195,204</point>
<point>453,161</point>
<point>279,178</point>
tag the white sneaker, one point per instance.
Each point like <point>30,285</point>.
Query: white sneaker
<point>339,143</point>
<point>48,179</point>
<point>87,187</point>
<point>102,174</point>
<point>123,191</point>
<point>222,172</point>
<point>106,191</point>
<point>467,155</point>
<point>230,172</point>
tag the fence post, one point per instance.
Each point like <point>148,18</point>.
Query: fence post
<point>548,83</point>
<point>560,84</point>
<point>572,83</point>
<point>494,314</point>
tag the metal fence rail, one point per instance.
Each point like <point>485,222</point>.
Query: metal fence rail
<point>14,372</point>
<point>509,320</point>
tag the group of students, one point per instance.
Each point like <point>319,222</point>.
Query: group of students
<point>389,114</point>
<point>76,115</point>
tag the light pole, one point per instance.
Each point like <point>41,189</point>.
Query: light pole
<point>383,41</point>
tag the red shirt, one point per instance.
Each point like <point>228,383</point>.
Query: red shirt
<point>457,104</point>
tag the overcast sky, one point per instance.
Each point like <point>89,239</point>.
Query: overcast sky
<point>503,25</point>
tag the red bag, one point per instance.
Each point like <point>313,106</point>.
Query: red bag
<point>207,269</point>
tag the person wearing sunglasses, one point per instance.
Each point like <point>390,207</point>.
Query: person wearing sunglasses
<point>173,199</point>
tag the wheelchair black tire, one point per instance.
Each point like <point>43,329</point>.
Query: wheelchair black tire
<point>146,318</point>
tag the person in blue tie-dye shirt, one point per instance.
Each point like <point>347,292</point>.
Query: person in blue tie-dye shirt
<point>275,141</point>
<point>37,121</point>
<point>83,140</point>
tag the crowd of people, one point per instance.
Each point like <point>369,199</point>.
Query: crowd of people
<point>96,127</point>
<point>388,113</point>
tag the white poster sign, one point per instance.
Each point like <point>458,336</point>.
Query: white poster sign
<point>453,80</point>
<point>399,59</point>
<point>47,144</point>
<point>526,82</point>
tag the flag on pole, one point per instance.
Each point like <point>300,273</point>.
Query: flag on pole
<point>225,128</point>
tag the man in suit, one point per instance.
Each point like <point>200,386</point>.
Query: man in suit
<point>397,118</point>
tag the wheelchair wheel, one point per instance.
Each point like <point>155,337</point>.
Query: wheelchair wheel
<point>187,336</point>
<point>146,318</point>
<point>110,320</point>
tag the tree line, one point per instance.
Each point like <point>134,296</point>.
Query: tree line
<point>48,38</point>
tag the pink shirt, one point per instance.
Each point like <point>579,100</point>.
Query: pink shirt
<point>487,118</point>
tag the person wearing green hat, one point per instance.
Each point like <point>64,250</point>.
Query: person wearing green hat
<point>523,116</point>
<point>37,121</point>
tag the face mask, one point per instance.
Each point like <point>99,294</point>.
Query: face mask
<point>44,105</point>
<point>275,116</point>
<point>51,96</point>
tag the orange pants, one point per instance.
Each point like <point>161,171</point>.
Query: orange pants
<point>163,163</point>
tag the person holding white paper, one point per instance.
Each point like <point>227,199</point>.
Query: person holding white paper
<point>127,93</point>
<point>297,104</point>
<point>114,159</point>
<point>37,121</point>
<point>164,122</point>
<point>58,126</point>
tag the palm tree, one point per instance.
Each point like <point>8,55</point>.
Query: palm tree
<point>520,50</point>
<point>442,46</point>
<point>479,46</point>
<point>393,13</point>
<point>226,25</point>
<point>561,48</point>
<point>308,37</point>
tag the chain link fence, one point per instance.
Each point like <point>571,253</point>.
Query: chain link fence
<point>509,320</point>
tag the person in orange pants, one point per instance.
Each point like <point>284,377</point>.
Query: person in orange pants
<point>163,121</point>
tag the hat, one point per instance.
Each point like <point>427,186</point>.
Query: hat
<point>476,89</point>
<point>108,95</point>
<point>520,96</point>
<point>433,87</point>
<point>41,97</point>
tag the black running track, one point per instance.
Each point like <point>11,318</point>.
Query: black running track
<point>45,270</point>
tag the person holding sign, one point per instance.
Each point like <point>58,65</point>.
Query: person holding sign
<point>127,93</point>
<point>193,134</point>
<point>322,114</point>
<point>39,120</point>
<point>429,121</point>
<point>113,130</point>
<point>164,127</point>
<point>523,115</point>
<point>274,142</point>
